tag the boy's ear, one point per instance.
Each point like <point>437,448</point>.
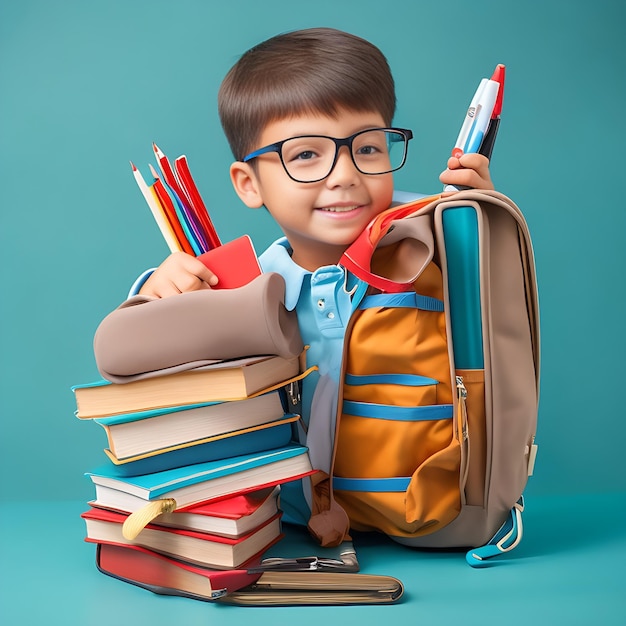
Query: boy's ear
<point>246,184</point>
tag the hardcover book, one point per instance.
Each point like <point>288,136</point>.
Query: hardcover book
<point>225,380</point>
<point>251,440</point>
<point>164,575</point>
<point>232,517</point>
<point>192,484</point>
<point>193,547</point>
<point>131,434</point>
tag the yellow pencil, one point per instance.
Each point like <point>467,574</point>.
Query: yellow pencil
<point>157,211</point>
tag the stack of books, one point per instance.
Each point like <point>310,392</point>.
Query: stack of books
<point>186,500</point>
<point>203,553</point>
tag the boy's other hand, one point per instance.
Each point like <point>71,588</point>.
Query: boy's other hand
<point>470,170</point>
<point>179,273</point>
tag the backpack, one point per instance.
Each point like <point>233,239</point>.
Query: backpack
<point>434,438</point>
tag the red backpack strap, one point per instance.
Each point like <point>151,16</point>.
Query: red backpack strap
<point>358,257</point>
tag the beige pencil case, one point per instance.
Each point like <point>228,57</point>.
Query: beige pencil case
<point>148,336</point>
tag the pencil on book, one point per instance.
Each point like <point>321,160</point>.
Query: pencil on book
<point>157,213</point>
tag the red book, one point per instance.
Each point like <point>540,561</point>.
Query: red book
<point>193,547</point>
<point>233,517</point>
<point>161,574</point>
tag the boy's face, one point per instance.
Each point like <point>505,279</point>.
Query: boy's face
<point>320,219</point>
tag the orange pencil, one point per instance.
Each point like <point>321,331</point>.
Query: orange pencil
<point>170,212</point>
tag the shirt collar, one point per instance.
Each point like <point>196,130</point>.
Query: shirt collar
<point>277,258</point>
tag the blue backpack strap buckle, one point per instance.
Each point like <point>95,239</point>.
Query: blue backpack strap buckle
<point>506,539</point>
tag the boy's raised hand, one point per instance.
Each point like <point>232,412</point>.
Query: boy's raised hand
<point>179,273</point>
<point>470,170</point>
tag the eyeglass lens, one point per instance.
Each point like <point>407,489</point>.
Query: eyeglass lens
<point>373,152</point>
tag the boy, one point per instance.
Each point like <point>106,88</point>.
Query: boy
<point>308,117</point>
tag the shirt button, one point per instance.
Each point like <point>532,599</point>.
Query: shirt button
<point>331,316</point>
<point>321,303</point>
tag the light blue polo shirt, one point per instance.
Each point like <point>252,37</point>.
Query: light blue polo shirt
<point>323,303</point>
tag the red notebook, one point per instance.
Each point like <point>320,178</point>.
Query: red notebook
<point>235,263</point>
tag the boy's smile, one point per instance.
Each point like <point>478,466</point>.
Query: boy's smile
<point>323,218</point>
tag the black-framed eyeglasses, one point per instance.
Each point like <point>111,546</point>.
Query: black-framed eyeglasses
<point>311,158</point>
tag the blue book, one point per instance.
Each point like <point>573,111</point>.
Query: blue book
<point>140,433</point>
<point>201,482</point>
<point>266,437</point>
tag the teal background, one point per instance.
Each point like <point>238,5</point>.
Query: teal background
<point>87,86</point>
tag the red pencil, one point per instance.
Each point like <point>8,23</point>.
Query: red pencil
<point>193,195</point>
<point>170,212</point>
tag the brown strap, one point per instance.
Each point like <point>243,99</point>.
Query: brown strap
<point>329,523</point>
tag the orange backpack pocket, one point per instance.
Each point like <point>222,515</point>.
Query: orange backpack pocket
<point>398,457</point>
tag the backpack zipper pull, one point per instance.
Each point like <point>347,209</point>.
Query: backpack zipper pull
<point>462,398</point>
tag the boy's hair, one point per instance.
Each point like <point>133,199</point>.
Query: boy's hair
<point>318,70</point>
